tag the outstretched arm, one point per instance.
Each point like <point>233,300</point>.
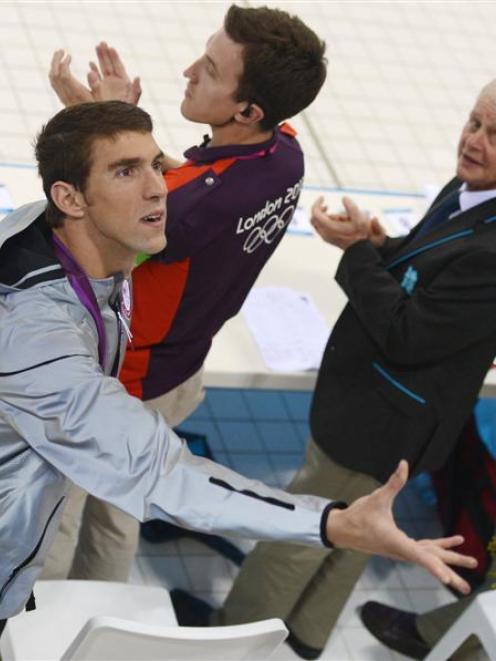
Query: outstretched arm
<point>137,463</point>
<point>367,525</point>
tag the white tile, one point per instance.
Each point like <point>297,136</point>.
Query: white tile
<point>424,600</point>
<point>214,598</point>
<point>390,65</point>
<point>135,575</point>
<point>413,576</point>
<point>188,546</point>
<point>14,121</point>
<point>15,148</point>
<point>335,649</point>
<point>380,572</point>
<point>363,646</point>
<point>166,571</point>
<point>146,548</point>
<point>208,573</point>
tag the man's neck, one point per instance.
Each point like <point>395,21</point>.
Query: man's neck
<point>237,134</point>
<point>90,257</point>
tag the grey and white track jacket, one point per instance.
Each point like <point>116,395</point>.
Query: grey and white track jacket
<point>63,416</point>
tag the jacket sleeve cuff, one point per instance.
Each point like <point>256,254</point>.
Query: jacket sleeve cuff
<point>340,505</point>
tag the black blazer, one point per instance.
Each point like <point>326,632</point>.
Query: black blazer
<point>407,357</point>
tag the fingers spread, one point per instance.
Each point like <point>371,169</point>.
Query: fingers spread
<point>55,63</point>
<point>135,92</point>
<point>395,483</point>
<point>350,206</point>
<point>104,58</point>
<point>438,548</point>
<point>95,70</point>
<point>318,204</point>
<point>444,542</point>
<point>117,66</point>
<point>94,82</point>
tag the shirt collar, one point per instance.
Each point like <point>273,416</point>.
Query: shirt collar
<point>205,154</point>
<point>471,198</point>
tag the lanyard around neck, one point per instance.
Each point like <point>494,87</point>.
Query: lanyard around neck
<point>84,291</point>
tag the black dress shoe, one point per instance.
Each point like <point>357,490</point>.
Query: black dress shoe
<point>302,649</point>
<point>190,611</point>
<point>394,628</point>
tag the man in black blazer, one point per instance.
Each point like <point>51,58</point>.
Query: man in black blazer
<point>400,374</point>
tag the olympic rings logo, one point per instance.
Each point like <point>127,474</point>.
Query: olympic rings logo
<point>266,233</point>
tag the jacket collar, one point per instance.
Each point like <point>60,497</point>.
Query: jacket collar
<point>205,154</point>
<point>26,252</point>
<point>463,224</point>
<point>27,256</point>
<point>467,223</point>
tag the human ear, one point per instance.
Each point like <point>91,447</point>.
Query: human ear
<point>250,114</point>
<point>68,199</point>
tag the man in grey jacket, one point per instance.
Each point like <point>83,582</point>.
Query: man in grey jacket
<point>64,313</point>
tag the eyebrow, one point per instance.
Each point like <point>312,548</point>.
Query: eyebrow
<point>130,162</point>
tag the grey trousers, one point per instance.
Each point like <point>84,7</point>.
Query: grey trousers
<point>306,587</point>
<point>95,540</point>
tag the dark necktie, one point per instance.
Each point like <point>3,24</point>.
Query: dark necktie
<point>441,212</point>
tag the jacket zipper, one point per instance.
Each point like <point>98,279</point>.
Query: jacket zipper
<point>33,553</point>
<point>115,306</point>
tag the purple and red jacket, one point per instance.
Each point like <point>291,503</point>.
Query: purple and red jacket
<point>228,208</point>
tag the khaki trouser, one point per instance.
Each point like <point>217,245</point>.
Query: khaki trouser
<point>306,587</point>
<point>95,540</point>
<point>433,624</point>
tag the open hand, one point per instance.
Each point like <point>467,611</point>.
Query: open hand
<point>110,81</point>
<point>367,525</point>
<point>68,88</point>
<point>345,229</point>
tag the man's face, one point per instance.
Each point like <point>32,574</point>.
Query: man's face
<point>213,81</point>
<point>476,164</point>
<point>125,195</point>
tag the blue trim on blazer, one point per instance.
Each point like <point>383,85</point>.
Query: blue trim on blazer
<point>428,246</point>
<point>398,385</point>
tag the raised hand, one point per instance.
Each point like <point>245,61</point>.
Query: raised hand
<point>368,525</point>
<point>345,229</point>
<point>68,88</point>
<point>110,80</point>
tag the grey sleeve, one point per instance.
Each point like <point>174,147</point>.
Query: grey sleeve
<point>85,425</point>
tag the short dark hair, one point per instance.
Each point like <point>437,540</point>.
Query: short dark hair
<point>63,148</point>
<point>284,63</point>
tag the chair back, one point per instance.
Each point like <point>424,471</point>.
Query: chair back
<point>479,620</point>
<point>115,639</point>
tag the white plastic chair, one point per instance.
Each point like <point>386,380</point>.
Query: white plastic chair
<point>479,620</point>
<point>94,620</point>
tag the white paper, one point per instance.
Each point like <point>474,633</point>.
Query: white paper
<point>288,329</point>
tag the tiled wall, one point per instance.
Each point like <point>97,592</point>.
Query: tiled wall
<point>402,77</point>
